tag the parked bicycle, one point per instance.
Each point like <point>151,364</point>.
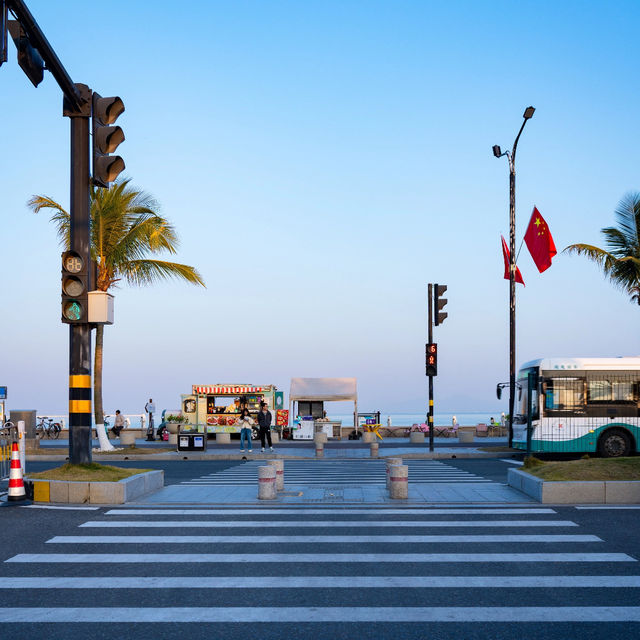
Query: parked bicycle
<point>47,428</point>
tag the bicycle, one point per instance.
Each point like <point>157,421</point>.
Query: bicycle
<point>47,428</point>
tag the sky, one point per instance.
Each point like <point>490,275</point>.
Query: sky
<point>322,162</point>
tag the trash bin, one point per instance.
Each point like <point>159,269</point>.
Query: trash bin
<point>192,441</point>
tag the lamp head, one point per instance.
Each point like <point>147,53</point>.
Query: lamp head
<point>497,152</point>
<point>528,113</point>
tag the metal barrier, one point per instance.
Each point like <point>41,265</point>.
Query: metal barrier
<point>5,450</point>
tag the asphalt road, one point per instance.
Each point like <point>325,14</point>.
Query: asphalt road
<point>319,588</point>
<point>179,470</point>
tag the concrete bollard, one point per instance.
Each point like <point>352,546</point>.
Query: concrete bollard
<point>368,436</point>
<point>223,438</point>
<point>266,483</point>
<point>275,437</point>
<point>416,437</point>
<point>399,482</point>
<point>173,438</point>
<point>390,463</point>
<point>319,449</point>
<point>321,436</point>
<point>374,449</point>
<point>279,466</point>
<point>127,438</point>
<point>465,436</point>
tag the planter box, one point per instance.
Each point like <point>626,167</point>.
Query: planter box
<point>174,427</point>
<point>96,492</point>
<point>575,492</point>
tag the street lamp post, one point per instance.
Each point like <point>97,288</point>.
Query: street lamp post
<point>511,157</point>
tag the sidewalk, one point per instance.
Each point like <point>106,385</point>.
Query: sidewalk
<point>295,450</point>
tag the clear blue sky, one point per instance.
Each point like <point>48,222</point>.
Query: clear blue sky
<point>323,161</point>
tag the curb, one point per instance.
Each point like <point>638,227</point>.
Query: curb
<point>125,490</point>
<point>185,455</point>
<point>575,492</point>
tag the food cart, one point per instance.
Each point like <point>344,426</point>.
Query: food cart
<point>308,396</point>
<point>216,408</point>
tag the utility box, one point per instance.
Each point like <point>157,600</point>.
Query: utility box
<point>100,307</point>
<point>192,441</point>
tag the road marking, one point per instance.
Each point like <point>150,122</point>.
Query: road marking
<point>242,524</point>
<point>445,539</point>
<point>324,582</point>
<point>279,615</point>
<point>180,511</point>
<point>611,507</point>
<point>516,462</point>
<point>342,558</point>
<point>48,506</point>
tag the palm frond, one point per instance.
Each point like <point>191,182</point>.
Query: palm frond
<point>144,272</point>
<point>60,218</point>
<point>602,258</point>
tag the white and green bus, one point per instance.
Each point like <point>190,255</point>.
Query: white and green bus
<point>580,405</point>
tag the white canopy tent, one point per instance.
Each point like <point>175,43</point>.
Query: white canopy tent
<point>323,390</point>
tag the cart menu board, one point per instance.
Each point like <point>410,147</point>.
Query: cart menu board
<point>282,417</point>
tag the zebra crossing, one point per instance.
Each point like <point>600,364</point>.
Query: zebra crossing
<point>339,473</point>
<point>319,566</point>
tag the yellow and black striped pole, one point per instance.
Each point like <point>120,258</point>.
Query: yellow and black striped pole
<point>80,333</point>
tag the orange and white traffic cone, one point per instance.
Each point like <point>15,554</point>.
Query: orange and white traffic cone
<point>17,493</point>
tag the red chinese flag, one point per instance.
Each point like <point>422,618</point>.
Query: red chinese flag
<point>539,241</point>
<point>506,255</point>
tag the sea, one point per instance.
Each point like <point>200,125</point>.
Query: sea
<point>439,419</point>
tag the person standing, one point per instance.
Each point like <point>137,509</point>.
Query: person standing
<point>246,422</point>
<point>118,424</point>
<point>264,422</point>
<point>150,408</point>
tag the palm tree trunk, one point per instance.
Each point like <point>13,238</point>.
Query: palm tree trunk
<point>98,412</point>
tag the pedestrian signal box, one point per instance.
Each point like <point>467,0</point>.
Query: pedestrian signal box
<point>432,359</point>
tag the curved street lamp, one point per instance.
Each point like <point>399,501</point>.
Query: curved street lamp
<point>511,157</point>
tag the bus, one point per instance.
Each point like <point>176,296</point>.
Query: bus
<point>580,405</point>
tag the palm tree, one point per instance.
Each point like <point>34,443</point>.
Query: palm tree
<point>621,263</point>
<point>125,229</point>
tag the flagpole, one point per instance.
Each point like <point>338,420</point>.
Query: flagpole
<point>511,157</point>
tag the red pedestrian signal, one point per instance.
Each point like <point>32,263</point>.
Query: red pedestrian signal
<point>432,359</point>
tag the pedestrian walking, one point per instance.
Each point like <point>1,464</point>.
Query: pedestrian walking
<point>118,424</point>
<point>150,408</point>
<point>454,422</point>
<point>246,422</point>
<point>264,422</point>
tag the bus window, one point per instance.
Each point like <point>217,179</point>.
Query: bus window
<point>564,395</point>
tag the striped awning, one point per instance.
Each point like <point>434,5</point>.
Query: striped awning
<point>223,390</point>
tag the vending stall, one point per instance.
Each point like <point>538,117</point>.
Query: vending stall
<point>216,408</point>
<point>307,397</point>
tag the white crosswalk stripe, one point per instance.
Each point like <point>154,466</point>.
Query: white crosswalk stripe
<point>381,579</point>
<point>338,473</point>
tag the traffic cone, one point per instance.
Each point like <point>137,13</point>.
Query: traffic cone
<point>17,494</point>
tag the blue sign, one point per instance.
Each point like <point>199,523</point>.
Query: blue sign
<point>3,393</point>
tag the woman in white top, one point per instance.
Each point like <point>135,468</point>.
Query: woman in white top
<point>246,422</point>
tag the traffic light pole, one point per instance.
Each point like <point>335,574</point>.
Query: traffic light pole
<point>430,336</point>
<point>80,334</point>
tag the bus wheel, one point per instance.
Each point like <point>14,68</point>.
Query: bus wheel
<point>615,443</point>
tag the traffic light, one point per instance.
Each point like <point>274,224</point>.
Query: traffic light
<point>29,59</point>
<point>106,138</point>
<point>439,303</point>
<point>432,358</point>
<point>74,288</point>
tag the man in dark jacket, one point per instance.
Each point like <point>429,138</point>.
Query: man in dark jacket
<point>264,422</point>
